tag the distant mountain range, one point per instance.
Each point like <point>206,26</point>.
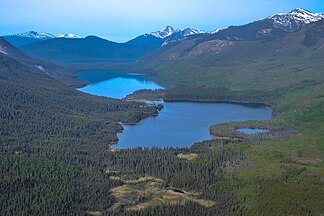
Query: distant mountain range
<point>30,37</point>
<point>73,48</point>
<point>272,25</point>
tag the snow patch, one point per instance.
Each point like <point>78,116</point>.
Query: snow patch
<point>3,50</point>
<point>44,36</point>
<point>36,35</point>
<point>68,35</point>
<point>41,68</point>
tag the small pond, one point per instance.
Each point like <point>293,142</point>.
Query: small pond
<point>252,131</point>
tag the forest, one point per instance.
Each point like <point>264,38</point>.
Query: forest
<point>51,140</point>
<point>56,157</point>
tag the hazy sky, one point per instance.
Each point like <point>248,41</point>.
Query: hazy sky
<point>121,20</point>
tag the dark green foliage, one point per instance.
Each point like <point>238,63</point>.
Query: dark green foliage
<point>163,163</point>
<point>52,182</point>
<point>188,209</point>
<point>51,144</point>
<point>194,175</point>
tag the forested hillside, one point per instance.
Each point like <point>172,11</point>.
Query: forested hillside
<point>51,139</point>
<point>41,66</point>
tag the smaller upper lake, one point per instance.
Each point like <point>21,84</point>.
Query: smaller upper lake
<point>114,83</point>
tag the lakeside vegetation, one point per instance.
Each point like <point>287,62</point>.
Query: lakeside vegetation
<point>277,173</point>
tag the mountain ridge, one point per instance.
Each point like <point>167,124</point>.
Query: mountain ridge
<point>270,27</point>
<point>30,37</point>
<point>84,49</point>
<point>214,61</point>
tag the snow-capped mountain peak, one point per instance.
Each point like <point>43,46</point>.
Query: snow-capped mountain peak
<point>295,19</point>
<point>190,31</point>
<point>44,36</point>
<point>69,35</point>
<point>36,35</point>
<point>163,33</point>
<point>215,31</point>
<point>169,31</point>
<point>301,11</point>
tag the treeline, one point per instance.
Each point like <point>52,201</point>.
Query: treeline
<point>188,209</point>
<point>218,94</point>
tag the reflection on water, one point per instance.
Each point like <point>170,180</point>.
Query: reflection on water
<point>179,124</point>
<point>115,84</point>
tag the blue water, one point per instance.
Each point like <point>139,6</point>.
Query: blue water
<point>113,83</point>
<point>179,124</point>
<point>251,131</point>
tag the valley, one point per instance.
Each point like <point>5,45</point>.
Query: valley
<point>152,126</point>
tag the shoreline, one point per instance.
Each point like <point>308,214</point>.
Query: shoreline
<point>242,103</point>
<point>212,135</point>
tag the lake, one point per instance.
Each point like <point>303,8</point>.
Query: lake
<point>114,83</point>
<point>179,124</point>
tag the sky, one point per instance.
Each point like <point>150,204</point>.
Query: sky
<point>122,20</point>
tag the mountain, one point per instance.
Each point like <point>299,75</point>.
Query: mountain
<point>36,35</point>
<point>294,20</point>
<point>72,48</point>
<point>69,35</point>
<point>27,38</point>
<point>31,37</point>
<point>163,33</point>
<point>89,49</point>
<point>94,49</point>
<point>146,42</point>
<point>169,31</point>
<point>154,40</point>
<point>245,64</point>
<point>270,27</point>
<point>39,65</point>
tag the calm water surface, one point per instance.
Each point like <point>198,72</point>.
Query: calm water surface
<point>179,124</point>
<point>115,84</point>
